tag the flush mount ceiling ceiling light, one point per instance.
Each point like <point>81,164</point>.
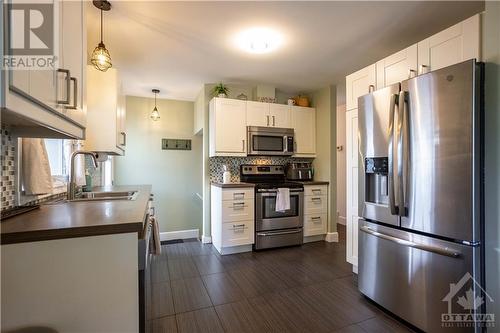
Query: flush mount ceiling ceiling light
<point>259,40</point>
<point>155,115</point>
<point>100,56</point>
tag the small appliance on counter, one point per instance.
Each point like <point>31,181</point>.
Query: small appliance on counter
<point>302,171</point>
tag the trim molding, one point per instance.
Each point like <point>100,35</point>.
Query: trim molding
<point>332,237</point>
<point>206,239</point>
<point>341,220</point>
<point>180,234</point>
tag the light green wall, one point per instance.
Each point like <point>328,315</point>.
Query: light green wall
<point>324,100</point>
<point>491,56</point>
<point>176,176</point>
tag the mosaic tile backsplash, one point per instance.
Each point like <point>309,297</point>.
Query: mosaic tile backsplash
<point>8,181</point>
<point>233,163</point>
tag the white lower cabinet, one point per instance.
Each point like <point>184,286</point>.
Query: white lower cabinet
<point>315,210</point>
<point>232,219</point>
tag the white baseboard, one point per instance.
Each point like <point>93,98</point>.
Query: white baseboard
<point>332,237</point>
<point>180,234</point>
<point>206,239</point>
<point>341,220</point>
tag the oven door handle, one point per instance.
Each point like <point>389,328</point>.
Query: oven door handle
<point>274,233</point>
<point>275,193</point>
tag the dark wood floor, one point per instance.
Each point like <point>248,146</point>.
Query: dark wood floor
<point>299,289</point>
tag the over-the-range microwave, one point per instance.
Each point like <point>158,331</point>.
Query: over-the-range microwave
<point>270,141</point>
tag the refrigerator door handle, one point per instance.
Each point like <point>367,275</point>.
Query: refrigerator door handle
<point>392,201</point>
<point>403,153</point>
<point>425,247</point>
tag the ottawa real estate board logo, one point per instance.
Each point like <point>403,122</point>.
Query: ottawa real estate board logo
<point>467,300</point>
<point>30,36</point>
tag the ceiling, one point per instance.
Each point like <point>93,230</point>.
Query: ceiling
<point>179,46</point>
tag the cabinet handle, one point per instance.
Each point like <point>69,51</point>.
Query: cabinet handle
<point>274,122</point>
<point>67,77</point>
<point>412,73</point>
<point>75,94</point>
<point>371,88</point>
<point>267,120</point>
<point>238,226</point>
<point>243,145</point>
<point>124,138</point>
<point>424,69</point>
<point>316,199</point>
<point>238,194</point>
<point>316,190</point>
<point>316,218</point>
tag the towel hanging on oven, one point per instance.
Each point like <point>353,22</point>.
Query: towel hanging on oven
<point>283,199</point>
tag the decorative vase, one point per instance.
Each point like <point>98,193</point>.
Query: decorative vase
<point>222,95</point>
<point>303,101</point>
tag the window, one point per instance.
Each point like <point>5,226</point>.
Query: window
<point>57,157</point>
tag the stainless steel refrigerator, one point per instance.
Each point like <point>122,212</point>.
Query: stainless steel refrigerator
<point>420,198</point>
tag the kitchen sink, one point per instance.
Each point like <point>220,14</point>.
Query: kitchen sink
<point>101,196</point>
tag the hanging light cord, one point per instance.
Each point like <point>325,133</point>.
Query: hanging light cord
<point>101,23</point>
<point>155,100</point>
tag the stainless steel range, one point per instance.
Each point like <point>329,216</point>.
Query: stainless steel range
<point>274,228</point>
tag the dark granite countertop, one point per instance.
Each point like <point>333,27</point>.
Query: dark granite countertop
<point>233,185</point>
<point>313,182</point>
<point>80,218</point>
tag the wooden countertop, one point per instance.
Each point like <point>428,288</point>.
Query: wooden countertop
<point>79,219</point>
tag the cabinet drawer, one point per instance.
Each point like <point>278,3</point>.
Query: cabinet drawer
<point>315,190</point>
<point>315,224</point>
<point>315,205</point>
<point>237,210</point>
<point>238,233</point>
<point>238,194</point>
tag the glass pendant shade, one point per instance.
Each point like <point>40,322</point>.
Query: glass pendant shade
<point>155,115</point>
<point>100,58</point>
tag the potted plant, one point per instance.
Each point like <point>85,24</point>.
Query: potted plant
<point>221,90</point>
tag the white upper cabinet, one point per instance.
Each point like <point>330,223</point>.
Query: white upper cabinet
<point>268,115</point>
<point>73,56</point>
<point>50,102</point>
<point>279,115</point>
<point>227,123</point>
<point>359,84</point>
<point>105,112</point>
<point>456,44</point>
<point>304,124</point>
<point>397,67</point>
<point>258,114</point>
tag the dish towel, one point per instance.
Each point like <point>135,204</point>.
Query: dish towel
<point>283,199</point>
<point>37,178</point>
<point>156,246</point>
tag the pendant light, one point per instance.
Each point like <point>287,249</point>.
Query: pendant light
<point>155,115</point>
<point>100,56</point>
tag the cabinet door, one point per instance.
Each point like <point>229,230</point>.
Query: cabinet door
<point>279,115</point>
<point>258,114</point>
<point>73,55</point>
<point>304,124</point>
<point>230,126</point>
<point>451,46</point>
<point>397,67</point>
<point>352,186</point>
<point>121,116</point>
<point>358,84</point>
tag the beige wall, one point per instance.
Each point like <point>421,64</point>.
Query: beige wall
<point>491,55</point>
<point>324,100</point>
<point>176,176</point>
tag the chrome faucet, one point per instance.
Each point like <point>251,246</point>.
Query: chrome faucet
<point>72,187</point>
